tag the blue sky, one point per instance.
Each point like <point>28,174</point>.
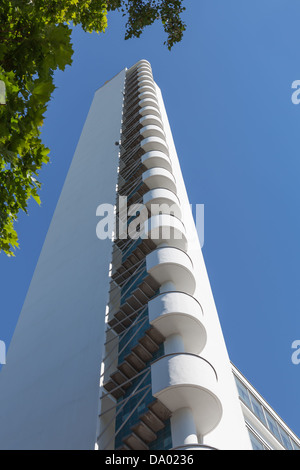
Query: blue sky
<point>227,90</point>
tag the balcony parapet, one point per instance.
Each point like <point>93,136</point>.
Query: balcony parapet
<point>154,143</point>
<point>166,229</point>
<point>161,200</point>
<point>147,83</point>
<point>159,178</point>
<point>194,447</point>
<point>149,102</point>
<point>144,73</point>
<point>152,130</point>
<point>147,94</point>
<point>158,159</point>
<point>179,313</point>
<point>149,110</point>
<point>146,87</point>
<point>169,264</point>
<point>184,380</point>
<point>151,119</point>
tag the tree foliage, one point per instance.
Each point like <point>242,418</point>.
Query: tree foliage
<point>142,13</point>
<point>35,40</point>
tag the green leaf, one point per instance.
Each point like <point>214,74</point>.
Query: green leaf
<point>36,43</point>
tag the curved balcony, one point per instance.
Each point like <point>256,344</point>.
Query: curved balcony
<point>173,313</point>
<point>168,264</point>
<point>145,109</point>
<point>142,61</point>
<point>144,65</point>
<point>147,94</point>
<point>149,102</point>
<point>144,69</point>
<point>154,143</point>
<point>194,447</point>
<point>166,229</point>
<point>188,381</point>
<point>144,74</point>
<point>163,201</point>
<point>147,83</point>
<point>156,159</point>
<point>146,87</point>
<point>152,131</point>
<point>145,78</point>
<point>159,178</point>
<point>151,119</point>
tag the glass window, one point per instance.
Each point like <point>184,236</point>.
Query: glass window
<point>285,439</point>
<point>272,425</point>
<point>257,409</point>
<point>243,392</point>
<point>164,438</point>
<point>168,442</point>
<point>141,408</point>
<point>125,416</point>
<point>295,446</point>
<point>256,443</point>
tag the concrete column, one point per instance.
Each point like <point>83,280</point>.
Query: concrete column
<point>167,287</point>
<point>183,428</point>
<point>174,344</point>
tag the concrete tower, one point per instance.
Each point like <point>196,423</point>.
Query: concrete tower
<point>119,345</point>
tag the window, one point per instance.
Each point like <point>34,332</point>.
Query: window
<point>141,408</point>
<point>272,425</point>
<point>285,439</point>
<point>243,392</point>
<point>168,442</point>
<point>295,446</point>
<point>256,443</point>
<point>257,409</point>
<point>266,418</point>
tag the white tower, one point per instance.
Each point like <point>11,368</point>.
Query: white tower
<point>135,315</point>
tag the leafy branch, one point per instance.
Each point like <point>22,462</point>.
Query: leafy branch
<point>34,43</point>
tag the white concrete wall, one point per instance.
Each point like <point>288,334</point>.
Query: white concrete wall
<point>231,433</point>
<point>49,389</point>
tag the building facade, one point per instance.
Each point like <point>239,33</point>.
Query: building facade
<point>266,429</point>
<point>119,344</point>
<point>165,380</point>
